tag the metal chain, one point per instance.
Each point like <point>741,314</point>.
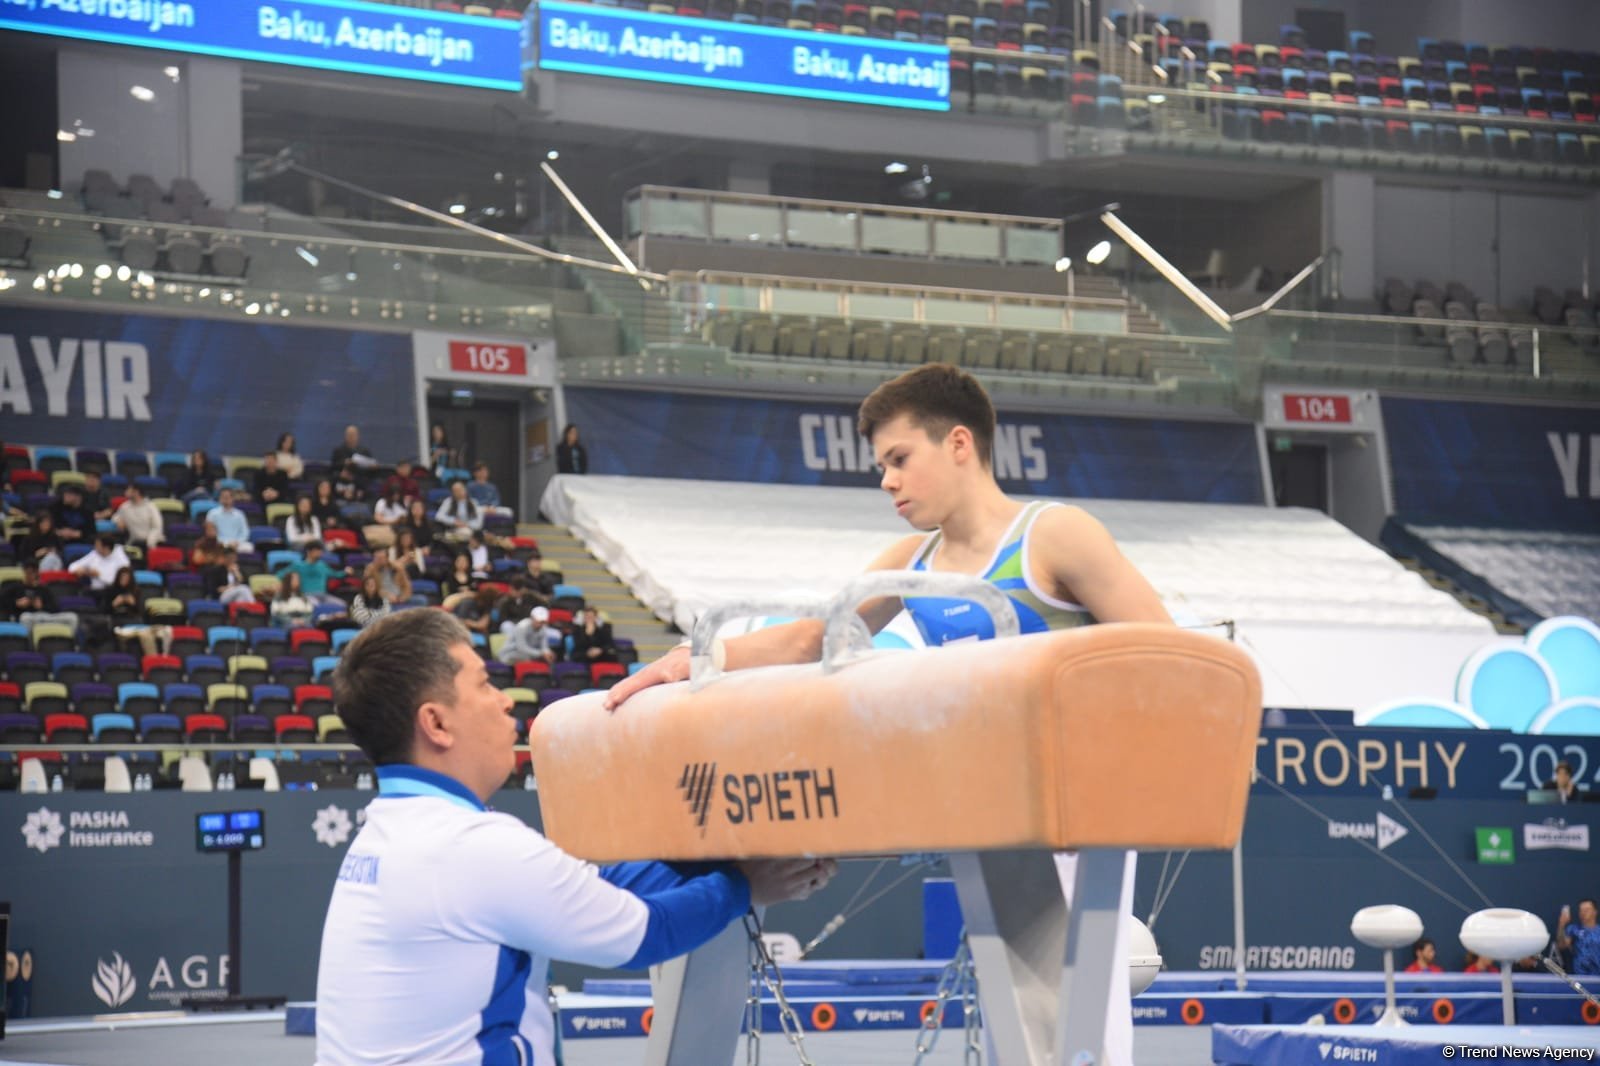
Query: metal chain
<point>752,1008</point>
<point>764,972</point>
<point>951,979</point>
<point>969,1012</point>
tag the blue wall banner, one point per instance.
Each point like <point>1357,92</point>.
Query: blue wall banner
<point>1511,465</point>
<point>152,383</point>
<point>730,438</point>
<point>714,54</point>
<point>1456,763</point>
<point>345,35</point>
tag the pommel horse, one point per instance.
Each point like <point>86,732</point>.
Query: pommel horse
<point>1101,739</point>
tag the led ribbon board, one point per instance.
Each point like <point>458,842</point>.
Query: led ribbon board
<point>713,54</point>
<point>343,35</point>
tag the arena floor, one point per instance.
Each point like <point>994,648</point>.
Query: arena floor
<point>258,1039</point>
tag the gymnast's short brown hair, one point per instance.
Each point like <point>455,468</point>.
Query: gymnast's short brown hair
<point>936,398</point>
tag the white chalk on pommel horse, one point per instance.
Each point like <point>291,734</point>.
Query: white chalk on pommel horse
<point>1100,739</point>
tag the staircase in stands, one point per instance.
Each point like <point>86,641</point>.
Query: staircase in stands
<point>629,618</point>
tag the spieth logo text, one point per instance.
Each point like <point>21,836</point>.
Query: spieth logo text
<point>771,795</point>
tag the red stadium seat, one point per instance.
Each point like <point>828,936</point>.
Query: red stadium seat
<point>205,728</point>
<point>163,558</point>
<point>604,675</point>
<point>345,538</point>
<point>304,642</point>
<point>313,700</point>
<point>299,728</point>
<point>161,669</point>
<point>66,729</point>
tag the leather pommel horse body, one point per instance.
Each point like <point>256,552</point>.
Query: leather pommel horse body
<point>1100,739</point>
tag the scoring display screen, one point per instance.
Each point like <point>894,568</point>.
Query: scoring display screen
<point>230,831</point>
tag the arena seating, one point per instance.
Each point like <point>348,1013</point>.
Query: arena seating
<point>1552,573</point>
<point>230,676</point>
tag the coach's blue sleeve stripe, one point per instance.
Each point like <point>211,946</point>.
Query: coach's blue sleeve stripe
<point>687,915</point>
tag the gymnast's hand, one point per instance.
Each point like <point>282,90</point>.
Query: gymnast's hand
<point>673,666</point>
<point>777,880</point>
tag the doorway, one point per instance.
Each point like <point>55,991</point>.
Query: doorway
<point>487,430</point>
<point>1300,474</point>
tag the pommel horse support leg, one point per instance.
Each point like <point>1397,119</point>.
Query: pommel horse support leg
<point>997,753</point>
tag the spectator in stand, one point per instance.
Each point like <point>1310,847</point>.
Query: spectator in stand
<point>288,459</point>
<point>439,453</point>
<point>419,523</point>
<point>42,545</point>
<point>476,610</point>
<point>315,573</point>
<point>227,582</point>
<point>571,458</point>
<point>1563,784</point>
<point>291,607</point>
<point>478,553</point>
<point>483,491</point>
<point>459,516</point>
<point>95,499</point>
<point>1479,964</point>
<point>271,482</point>
<point>529,638</point>
<point>207,552</point>
<point>393,582</point>
<point>538,580</point>
<point>370,603</point>
<point>139,519</point>
<point>406,555</point>
<point>196,482</point>
<point>303,527</point>
<point>325,505</point>
<point>101,564</point>
<point>348,486</point>
<point>30,602</point>
<point>390,509</point>
<point>1580,939</point>
<point>591,639</point>
<point>233,528</point>
<point>518,604</point>
<point>74,523</point>
<point>401,481</point>
<point>121,604</point>
<point>351,450</point>
<point>1422,956</point>
<point>460,580</point>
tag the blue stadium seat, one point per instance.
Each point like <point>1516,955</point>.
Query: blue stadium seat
<point>322,668</point>
<point>113,728</point>
<point>72,667</point>
<point>138,698</point>
<point>198,508</point>
<point>269,642</point>
<point>269,701</point>
<point>341,637</point>
<point>133,464</point>
<point>203,613</point>
<point>205,670</point>
<point>14,637</point>
<point>277,560</point>
<point>90,698</point>
<point>186,698</point>
<point>48,460</point>
<point>226,640</point>
<point>160,728</point>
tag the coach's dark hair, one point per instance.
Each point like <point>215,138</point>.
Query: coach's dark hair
<point>937,398</point>
<point>395,666</point>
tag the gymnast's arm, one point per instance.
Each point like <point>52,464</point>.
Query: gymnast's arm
<point>793,642</point>
<point>1087,567</point>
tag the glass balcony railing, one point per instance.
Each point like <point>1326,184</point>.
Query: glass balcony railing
<point>827,225</point>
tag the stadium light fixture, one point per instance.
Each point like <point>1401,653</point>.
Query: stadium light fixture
<point>1063,264</point>
<point>305,253</point>
<point>103,271</point>
<point>458,209</point>
<point>66,136</point>
<point>895,168</point>
<point>1098,254</point>
<point>141,93</point>
<point>1158,98</point>
<point>552,155</point>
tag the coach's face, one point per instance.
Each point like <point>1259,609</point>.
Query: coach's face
<point>482,731</point>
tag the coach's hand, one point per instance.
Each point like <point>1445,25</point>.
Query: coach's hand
<point>778,880</point>
<point>673,666</point>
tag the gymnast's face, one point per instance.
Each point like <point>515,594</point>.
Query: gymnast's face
<point>918,471</point>
<point>480,724</point>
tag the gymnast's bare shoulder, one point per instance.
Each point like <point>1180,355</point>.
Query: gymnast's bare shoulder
<point>1075,558</point>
